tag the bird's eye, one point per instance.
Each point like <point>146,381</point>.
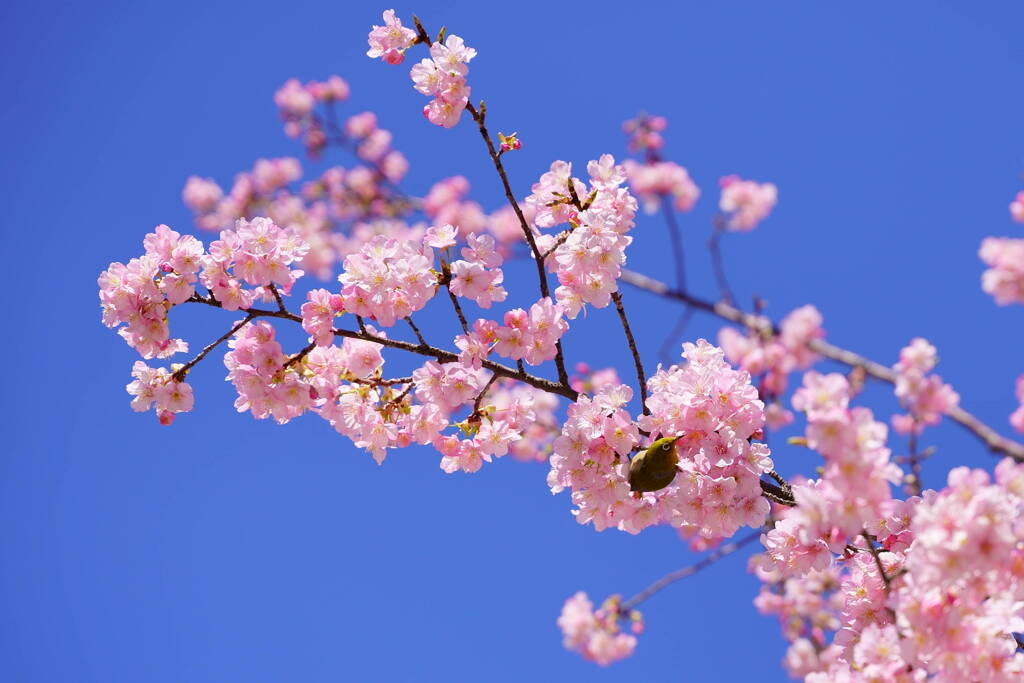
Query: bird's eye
<point>666,447</point>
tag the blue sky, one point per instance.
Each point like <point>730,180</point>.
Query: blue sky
<point>228,549</point>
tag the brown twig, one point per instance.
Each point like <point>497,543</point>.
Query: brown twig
<point>179,374</point>
<point>416,330</point>
<point>542,276</point>
<point>441,355</point>
<point>641,378</point>
<point>669,579</point>
<point>716,261</point>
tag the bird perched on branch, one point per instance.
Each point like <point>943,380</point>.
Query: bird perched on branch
<point>656,467</point>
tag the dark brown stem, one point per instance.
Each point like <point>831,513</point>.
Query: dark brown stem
<point>483,392</point>
<point>300,355</point>
<point>441,355</point>
<point>179,374</point>
<point>669,579</point>
<point>458,311</point>
<point>277,296</point>
<point>416,330</point>
<point>914,486</point>
<point>641,378</point>
<point>777,494</point>
<point>991,438</point>
<point>542,276</point>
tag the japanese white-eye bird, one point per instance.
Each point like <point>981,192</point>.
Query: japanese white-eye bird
<point>656,467</point>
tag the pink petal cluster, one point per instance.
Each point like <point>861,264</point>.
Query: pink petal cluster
<point>388,279</point>
<point>296,104</point>
<point>373,144</point>
<point>589,260</point>
<point>478,276</point>
<point>318,314</point>
<point>139,294</point>
<point>256,253</point>
<point>854,488</point>
<point>596,636</point>
<point>718,414</point>
<point>1017,207</point>
<point>531,336</point>
<point>390,41</point>
<point>1017,417</point>
<point>443,77</point>
<point>249,195</point>
<point>924,396</point>
<point>1004,278</point>
<point>654,180</point>
<point>532,412</point>
<point>746,202</point>
<point>445,204</point>
<point>156,386</point>
<point>645,133</point>
<point>771,357</point>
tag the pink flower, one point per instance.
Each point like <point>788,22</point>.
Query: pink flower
<point>1004,279</point>
<point>595,636</point>
<point>747,202</point>
<point>390,41</point>
<point>155,386</point>
<point>441,237</point>
<point>1017,208</point>
<point>201,194</point>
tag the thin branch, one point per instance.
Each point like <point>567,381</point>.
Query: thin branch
<point>716,263</point>
<point>673,337</point>
<point>990,437</point>
<point>640,377</point>
<point>677,242</point>
<point>458,310</point>
<point>415,329</point>
<point>542,276</point>
<point>483,392</point>
<point>914,486</point>
<point>179,374</point>
<point>667,580</point>
<point>277,296</point>
<point>300,355</point>
<point>441,355</point>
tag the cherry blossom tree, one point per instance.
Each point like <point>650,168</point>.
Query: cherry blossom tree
<point>871,575</point>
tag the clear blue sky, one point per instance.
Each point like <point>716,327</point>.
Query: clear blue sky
<point>223,549</point>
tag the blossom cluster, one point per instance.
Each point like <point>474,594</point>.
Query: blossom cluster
<point>1004,279</point>
<point>390,41</point>
<point>644,134</point>
<point>388,279</point>
<point>771,357</point>
<point>477,275</point>
<point>446,204</point>
<point>715,411</point>
<point>595,635</point>
<point>140,293</point>
<point>746,202</point>
<point>589,256</point>
<point>1017,207</point>
<point>655,179</point>
<point>925,397</point>
<point>854,487</point>
<point>296,104</point>
<point>1017,417</point>
<point>158,387</point>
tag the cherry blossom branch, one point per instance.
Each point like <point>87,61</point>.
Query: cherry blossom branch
<point>179,374</point>
<point>441,355</point>
<point>542,276</point>
<point>641,378</point>
<point>990,437</point>
<point>669,579</point>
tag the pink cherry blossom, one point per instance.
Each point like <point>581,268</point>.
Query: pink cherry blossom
<point>746,202</point>
<point>1004,279</point>
<point>390,41</point>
